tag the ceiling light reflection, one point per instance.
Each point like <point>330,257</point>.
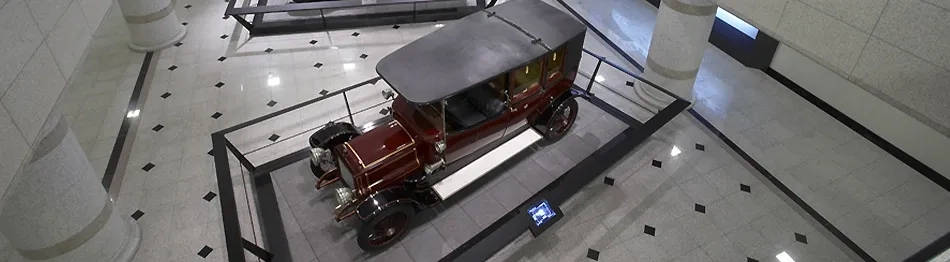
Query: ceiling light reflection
<point>133,113</point>
<point>599,79</point>
<point>349,66</point>
<point>675,151</point>
<point>439,25</point>
<point>273,80</point>
<point>784,257</point>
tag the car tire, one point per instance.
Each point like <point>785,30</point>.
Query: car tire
<point>385,228</point>
<point>333,134</point>
<point>560,120</point>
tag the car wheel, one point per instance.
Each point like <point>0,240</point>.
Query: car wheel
<point>385,228</point>
<point>561,120</point>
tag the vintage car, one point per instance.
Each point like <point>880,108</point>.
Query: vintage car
<point>465,91</point>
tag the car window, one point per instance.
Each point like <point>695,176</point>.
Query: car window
<point>525,80</point>
<point>475,105</point>
<point>554,64</point>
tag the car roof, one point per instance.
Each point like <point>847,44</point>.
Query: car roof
<point>476,48</point>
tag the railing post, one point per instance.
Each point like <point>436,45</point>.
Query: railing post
<point>324,19</point>
<point>348,111</point>
<point>413,12</point>
<point>594,75</point>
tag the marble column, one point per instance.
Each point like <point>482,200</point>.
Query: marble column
<point>57,209</point>
<point>676,50</point>
<point>153,24</point>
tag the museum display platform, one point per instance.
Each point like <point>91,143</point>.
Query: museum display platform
<point>271,209</point>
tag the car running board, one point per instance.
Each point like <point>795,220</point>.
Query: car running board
<point>481,166</point>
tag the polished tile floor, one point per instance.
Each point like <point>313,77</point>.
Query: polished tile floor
<point>217,77</point>
<point>887,208</point>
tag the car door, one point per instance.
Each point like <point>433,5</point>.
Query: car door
<point>524,90</point>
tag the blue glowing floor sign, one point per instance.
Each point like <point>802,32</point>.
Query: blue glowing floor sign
<point>541,215</point>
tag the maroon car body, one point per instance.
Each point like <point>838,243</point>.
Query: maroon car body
<point>475,98</point>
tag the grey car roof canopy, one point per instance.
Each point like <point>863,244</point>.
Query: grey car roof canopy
<point>475,49</point>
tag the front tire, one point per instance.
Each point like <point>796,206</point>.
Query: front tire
<point>560,121</point>
<point>385,228</point>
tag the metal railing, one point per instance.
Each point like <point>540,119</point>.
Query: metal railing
<point>326,21</point>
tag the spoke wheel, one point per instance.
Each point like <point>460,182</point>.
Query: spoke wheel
<point>561,120</point>
<point>385,228</point>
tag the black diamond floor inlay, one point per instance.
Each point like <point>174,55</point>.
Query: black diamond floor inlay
<point>179,43</point>
<point>172,68</point>
<point>148,167</point>
<point>137,214</point>
<point>313,42</point>
<point>158,128</point>
<point>221,59</point>
<point>657,163</point>
<point>699,208</point>
<point>383,111</point>
<point>205,251</point>
<point>209,196</point>
<point>395,26</point>
<point>745,188</point>
<point>700,147</point>
<point>355,34</point>
<point>593,254</point>
<point>364,56</point>
<point>272,103</point>
<point>273,138</point>
<point>184,23</point>
<point>649,230</point>
<point>749,259</point>
<point>224,36</point>
<point>801,238</point>
<point>216,115</point>
<point>324,92</point>
<point>211,152</point>
<point>166,95</point>
<point>608,180</point>
<point>268,50</point>
<point>318,65</point>
<point>219,84</point>
<point>187,6</point>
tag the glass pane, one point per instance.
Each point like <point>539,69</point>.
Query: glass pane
<point>525,79</point>
<point>553,64</point>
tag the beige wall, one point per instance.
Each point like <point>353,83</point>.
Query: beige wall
<point>41,43</point>
<point>896,50</point>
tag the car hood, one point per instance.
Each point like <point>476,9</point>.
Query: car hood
<point>373,147</point>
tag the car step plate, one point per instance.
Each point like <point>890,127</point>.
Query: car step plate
<point>481,166</point>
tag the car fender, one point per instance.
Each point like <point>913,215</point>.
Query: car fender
<point>383,199</point>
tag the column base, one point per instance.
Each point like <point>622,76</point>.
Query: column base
<point>178,37</point>
<point>132,241</point>
<point>651,101</point>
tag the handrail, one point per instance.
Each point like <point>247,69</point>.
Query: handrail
<point>635,76</point>
<point>320,6</point>
<point>295,107</point>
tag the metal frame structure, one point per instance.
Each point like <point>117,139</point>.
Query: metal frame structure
<point>259,27</point>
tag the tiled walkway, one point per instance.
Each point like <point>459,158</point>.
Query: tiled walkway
<point>887,208</point>
<point>218,77</point>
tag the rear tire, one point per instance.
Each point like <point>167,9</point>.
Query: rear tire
<point>560,120</point>
<point>385,228</point>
